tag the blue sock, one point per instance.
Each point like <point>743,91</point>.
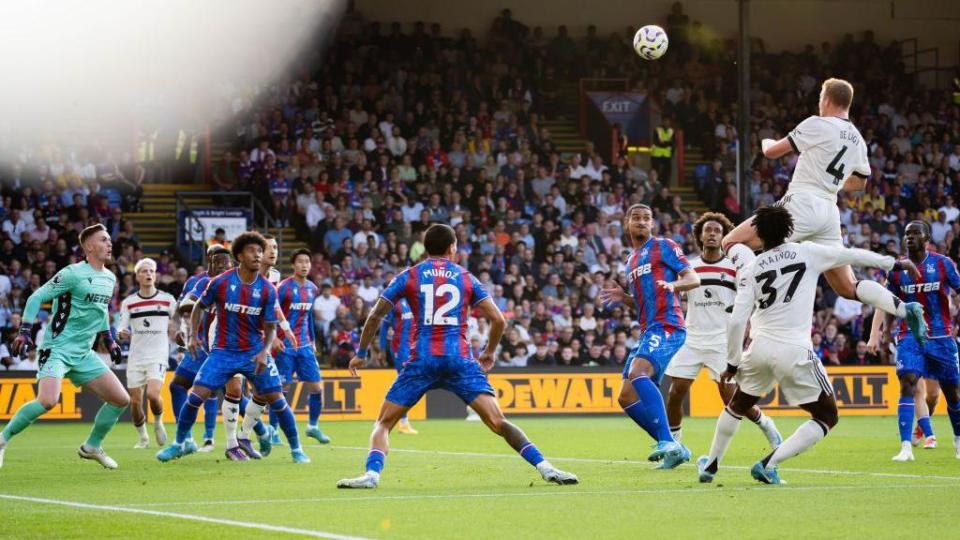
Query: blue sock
<point>925,426</point>
<point>274,419</point>
<point>653,412</point>
<point>530,453</point>
<point>314,405</point>
<point>188,417</point>
<point>258,428</point>
<point>288,423</point>
<point>210,408</point>
<point>905,417</point>
<point>637,413</point>
<point>178,396</point>
<point>953,411</point>
<point>375,460</point>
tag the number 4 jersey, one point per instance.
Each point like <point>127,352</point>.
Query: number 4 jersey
<point>440,294</point>
<point>831,149</point>
<point>781,286</point>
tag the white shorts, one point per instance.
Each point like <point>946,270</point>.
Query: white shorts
<point>796,369</point>
<point>815,219</point>
<point>690,360</point>
<point>138,375</point>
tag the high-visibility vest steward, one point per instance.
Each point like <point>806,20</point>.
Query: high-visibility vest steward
<point>662,146</point>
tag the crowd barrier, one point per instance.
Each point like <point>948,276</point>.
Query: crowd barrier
<point>860,390</point>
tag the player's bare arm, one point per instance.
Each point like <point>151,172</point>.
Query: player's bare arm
<point>370,329</point>
<point>615,294</point>
<point>498,324</point>
<point>193,343</point>
<point>855,183</point>
<point>776,149</point>
<point>269,334</point>
<point>688,280</point>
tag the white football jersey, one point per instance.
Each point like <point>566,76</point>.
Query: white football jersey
<point>148,319</point>
<point>709,305</point>
<point>273,276</point>
<point>831,149</point>
<point>780,287</point>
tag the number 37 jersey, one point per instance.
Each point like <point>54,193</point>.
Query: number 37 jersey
<point>781,286</point>
<point>440,294</point>
<point>831,149</point>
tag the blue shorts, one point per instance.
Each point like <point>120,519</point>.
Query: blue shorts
<point>658,347</point>
<point>190,366</point>
<point>222,365</point>
<point>935,360</point>
<point>462,376</point>
<point>302,361</point>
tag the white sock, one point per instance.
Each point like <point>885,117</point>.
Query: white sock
<point>3,441</point>
<point>871,292</point>
<point>808,434</point>
<point>231,411</point>
<point>727,426</point>
<point>142,431</point>
<point>250,416</point>
<point>677,433</point>
<point>544,466</point>
<point>741,255</point>
<point>158,421</point>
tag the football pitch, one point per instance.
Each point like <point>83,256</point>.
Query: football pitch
<point>457,480</point>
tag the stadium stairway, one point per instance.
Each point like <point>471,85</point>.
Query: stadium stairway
<point>156,225</point>
<point>693,158</point>
<point>287,238</point>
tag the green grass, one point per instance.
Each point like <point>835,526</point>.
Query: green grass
<point>429,491</point>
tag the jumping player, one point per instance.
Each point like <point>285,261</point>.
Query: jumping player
<point>81,294</point>
<point>833,156</point>
<point>657,271</point>
<point>245,306</point>
<point>779,287</point>
<point>296,294</point>
<point>937,358</point>
<point>145,319</point>
<point>441,295</point>
<point>708,315</point>
<point>399,320</point>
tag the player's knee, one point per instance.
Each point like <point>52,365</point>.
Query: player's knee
<point>497,423</point>
<point>627,396</point>
<point>48,401</point>
<point>153,395</point>
<point>678,390</point>
<point>908,385</point>
<point>122,400</point>
<point>828,417</point>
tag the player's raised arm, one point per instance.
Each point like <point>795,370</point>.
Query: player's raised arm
<point>742,308</point>
<point>498,324</point>
<point>370,329</point>
<point>776,149</point>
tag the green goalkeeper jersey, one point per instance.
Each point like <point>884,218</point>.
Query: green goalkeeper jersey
<point>80,296</point>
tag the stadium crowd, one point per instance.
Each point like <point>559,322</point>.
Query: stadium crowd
<point>397,130</point>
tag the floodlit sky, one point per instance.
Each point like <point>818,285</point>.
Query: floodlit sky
<point>93,66</point>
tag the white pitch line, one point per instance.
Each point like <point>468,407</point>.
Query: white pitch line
<point>558,492</point>
<point>188,517</point>
<point>630,462</point>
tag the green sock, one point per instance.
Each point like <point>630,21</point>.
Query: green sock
<point>25,416</point>
<point>102,424</point>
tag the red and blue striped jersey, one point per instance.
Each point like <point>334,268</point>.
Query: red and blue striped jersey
<point>400,320</point>
<point>440,294</point>
<point>241,310</point>
<point>190,285</point>
<point>296,302</point>
<point>939,274</point>
<point>206,319</point>
<point>658,259</point>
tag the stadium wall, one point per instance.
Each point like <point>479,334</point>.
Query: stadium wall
<point>860,391</point>
<point>782,24</point>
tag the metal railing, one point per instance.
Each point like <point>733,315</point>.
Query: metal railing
<point>252,203</point>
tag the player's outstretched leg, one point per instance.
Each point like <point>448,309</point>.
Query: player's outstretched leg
<point>642,401</point>
<point>179,387</point>
<point>727,424</point>
<point>48,395</point>
<point>766,424</point>
<point>905,414</point>
<point>843,281</point>
<point>288,424</point>
<point>108,388</point>
<point>824,418</point>
<point>184,445</point>
<point>489,410</point>
<point>390,414</point>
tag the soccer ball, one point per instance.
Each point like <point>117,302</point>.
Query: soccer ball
<point>650,42</point>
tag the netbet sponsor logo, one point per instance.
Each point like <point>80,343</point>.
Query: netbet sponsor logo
<point>932,286</point>
<point>301,306</point>
<point>242,309</point>
<point>641,270</point>
<point>98,298</point>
